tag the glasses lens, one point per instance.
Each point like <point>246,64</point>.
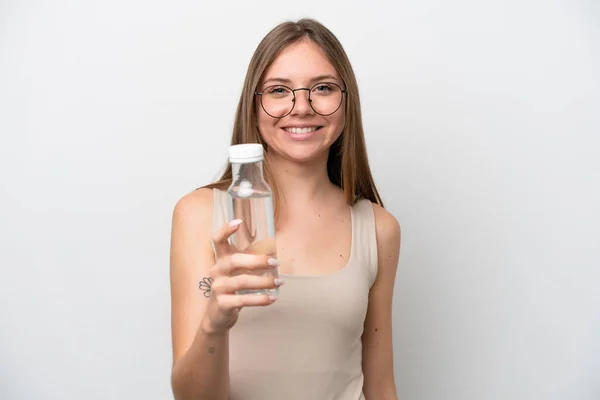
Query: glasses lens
<point>326,98</point>
<point>278,100</point>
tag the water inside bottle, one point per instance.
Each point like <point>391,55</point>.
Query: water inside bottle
<point>256,234</point>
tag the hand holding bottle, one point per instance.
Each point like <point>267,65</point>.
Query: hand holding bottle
<point>231,273</point>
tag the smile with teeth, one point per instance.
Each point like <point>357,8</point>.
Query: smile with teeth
<point>301,130</point>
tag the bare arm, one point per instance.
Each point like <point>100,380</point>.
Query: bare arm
<point>200,358</point>
<point>203,371</point>
<point>202,314</point>
<point>378,359</point>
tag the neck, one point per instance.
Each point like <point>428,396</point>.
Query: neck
<point>299,184</point>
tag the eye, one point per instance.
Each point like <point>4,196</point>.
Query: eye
<point>277,90</point>
<point>322,88</point>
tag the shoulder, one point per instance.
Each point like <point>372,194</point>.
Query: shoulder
<point>198,202</point>
<point>194,209</point>
<point>191,230</point>
<point>387,228</point>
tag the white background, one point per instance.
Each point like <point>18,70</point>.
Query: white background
<point>482,124</point>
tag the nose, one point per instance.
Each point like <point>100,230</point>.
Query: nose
<point>302,102</point>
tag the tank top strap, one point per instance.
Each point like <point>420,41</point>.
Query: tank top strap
<point>364,247</point>
<point>219,211</point>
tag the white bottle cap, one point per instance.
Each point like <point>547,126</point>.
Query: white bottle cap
<point>245,153</point>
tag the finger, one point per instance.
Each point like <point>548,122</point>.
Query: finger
<point>265,246</point>
<point>219,239</point>
<point>233,262</point>
<point>228,302</point>
<point>245,282</point>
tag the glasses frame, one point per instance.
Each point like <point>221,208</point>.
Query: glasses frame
<point>344,92</point>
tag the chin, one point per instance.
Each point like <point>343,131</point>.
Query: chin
<point>303,155</point>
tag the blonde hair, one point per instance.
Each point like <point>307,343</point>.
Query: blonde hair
<point>347,164</point>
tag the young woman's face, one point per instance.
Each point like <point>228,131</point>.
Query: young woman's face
<point>303,134</point>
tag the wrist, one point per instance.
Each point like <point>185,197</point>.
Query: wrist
<point>207,330</point>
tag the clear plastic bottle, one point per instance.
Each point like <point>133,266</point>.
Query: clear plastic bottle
<point>250,199</point>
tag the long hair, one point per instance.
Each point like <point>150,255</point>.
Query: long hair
<point>347,163</point>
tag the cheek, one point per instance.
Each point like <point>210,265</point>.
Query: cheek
<point>261,118</point>
<point>337,122</point>
<point>266,126</point>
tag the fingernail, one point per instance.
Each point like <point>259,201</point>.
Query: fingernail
<point>273,298</point>
<point>278,282</point>
<point>273,262</point>
<point>234,223</point>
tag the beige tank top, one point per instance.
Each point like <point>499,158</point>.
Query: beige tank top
<point>307,345</point>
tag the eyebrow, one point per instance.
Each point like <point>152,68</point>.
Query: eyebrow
<point>315,79</point>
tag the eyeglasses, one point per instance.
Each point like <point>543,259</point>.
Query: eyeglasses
<point>325,98</point>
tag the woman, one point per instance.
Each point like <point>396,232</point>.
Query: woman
<point>329,335</point>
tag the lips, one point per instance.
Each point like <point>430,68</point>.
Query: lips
<point>300,133</point>
<point>301,130</point>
